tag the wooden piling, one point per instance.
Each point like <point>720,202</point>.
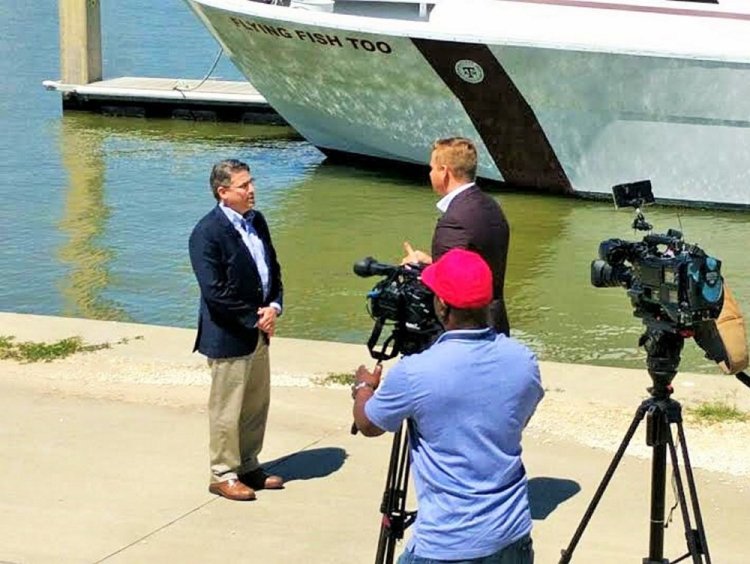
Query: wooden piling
<point>83,89</point>
<point>80,41</point>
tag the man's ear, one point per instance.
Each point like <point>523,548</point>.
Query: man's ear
<point>221,191</point>
<point>442,309</point>
<point>447,175</point>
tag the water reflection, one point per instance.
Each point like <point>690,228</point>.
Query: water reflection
<point>135,189</point>
<point>173,130</point>
<point>338,215</point>
<point>84,220</point>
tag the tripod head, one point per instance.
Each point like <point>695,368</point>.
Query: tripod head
<point>663,350</point>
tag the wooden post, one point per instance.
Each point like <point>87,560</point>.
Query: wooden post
<point>80,41</point>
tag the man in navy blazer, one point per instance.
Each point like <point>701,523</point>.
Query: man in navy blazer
<point>241,297</point>
<point>470,219</point>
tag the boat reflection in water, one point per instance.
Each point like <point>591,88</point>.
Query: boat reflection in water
<point>564,96</point>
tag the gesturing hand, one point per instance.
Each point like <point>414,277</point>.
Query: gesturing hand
<point>414,256</point>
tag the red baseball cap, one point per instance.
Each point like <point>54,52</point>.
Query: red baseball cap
<point>461,279</point>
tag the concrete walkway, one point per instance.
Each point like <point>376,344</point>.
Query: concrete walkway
<point>104,458</point>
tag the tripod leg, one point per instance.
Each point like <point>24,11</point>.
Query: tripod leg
<point>393,507</point>
<point>567,553</point>
<point>398,509</point>
<point>682,502</point>
<point>693,491</point>
<point>387,502</point>
<point>658,491</point>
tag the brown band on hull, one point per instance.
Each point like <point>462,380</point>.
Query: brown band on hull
<point>500,114</point>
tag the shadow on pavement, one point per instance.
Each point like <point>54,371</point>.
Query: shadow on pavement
<point>545,494</point>
<point>308,464</point>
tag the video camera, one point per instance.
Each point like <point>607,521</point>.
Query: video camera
<point>400,299</point>
<point>672,285</point>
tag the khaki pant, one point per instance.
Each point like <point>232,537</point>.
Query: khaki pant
<point>237,412</point>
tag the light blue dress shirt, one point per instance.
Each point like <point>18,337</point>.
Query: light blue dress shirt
<point>468,398</point>
<point>255,245</point>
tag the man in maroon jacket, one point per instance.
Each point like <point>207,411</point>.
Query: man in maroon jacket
<point>470,218</point>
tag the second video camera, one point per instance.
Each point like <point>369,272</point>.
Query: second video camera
<point>401,300</point>
<point>672,285</point>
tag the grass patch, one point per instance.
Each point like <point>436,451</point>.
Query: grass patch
<point>343,378</point>
<point>718,412</point>
<point>30,351</point>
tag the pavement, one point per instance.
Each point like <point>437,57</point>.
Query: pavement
<point>104,458</point>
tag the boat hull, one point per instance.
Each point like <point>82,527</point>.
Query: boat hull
<point>555,119</point>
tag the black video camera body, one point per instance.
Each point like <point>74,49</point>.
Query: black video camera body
<point>402,300</point>
<point>672,285</point>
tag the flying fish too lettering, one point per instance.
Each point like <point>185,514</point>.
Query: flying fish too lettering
<point>317,38</point>
<point>500,114</point>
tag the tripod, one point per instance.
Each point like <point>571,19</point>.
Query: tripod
<point>661,412</point>
<point>393,507</point>
<point>395,518</point>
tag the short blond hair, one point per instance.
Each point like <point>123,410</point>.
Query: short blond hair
<point>459,154</point>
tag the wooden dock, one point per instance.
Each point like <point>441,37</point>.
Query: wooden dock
<point>208,100</point>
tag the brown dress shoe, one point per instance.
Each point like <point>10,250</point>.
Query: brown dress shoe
<point>232,489</point>
<point>259,480</point>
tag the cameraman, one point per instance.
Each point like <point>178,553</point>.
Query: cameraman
<point>467,398</point>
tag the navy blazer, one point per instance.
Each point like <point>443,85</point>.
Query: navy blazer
<point>476,222</point>
<point>230,286</point>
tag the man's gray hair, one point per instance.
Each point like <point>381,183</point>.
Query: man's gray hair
<point>221,174</point>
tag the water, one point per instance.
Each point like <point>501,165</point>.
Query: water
<point>96,211</point>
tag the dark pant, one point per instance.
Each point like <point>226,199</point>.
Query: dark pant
<point>519,552</point>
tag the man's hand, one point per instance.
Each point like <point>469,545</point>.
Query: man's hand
<point>372,379</point>
<point>267,320</point>
<point>414,256</point>
<point>368,383</point>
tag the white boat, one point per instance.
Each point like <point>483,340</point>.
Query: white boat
<point>567,96</point>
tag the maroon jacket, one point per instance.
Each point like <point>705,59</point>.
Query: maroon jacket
<point>476,222</point>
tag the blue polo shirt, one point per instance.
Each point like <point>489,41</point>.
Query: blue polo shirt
<point>468,397</point>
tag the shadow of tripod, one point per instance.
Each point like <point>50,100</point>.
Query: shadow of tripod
<point>661,412</point>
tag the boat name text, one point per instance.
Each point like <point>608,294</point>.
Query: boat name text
<point>314,37</point>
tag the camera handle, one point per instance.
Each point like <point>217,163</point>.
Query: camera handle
<point>372,343</point>
<point>379,355</point>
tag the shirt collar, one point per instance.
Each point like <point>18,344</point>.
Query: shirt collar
<point>235,217</point>
<point>468,334</point>
<point>446,200</point>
